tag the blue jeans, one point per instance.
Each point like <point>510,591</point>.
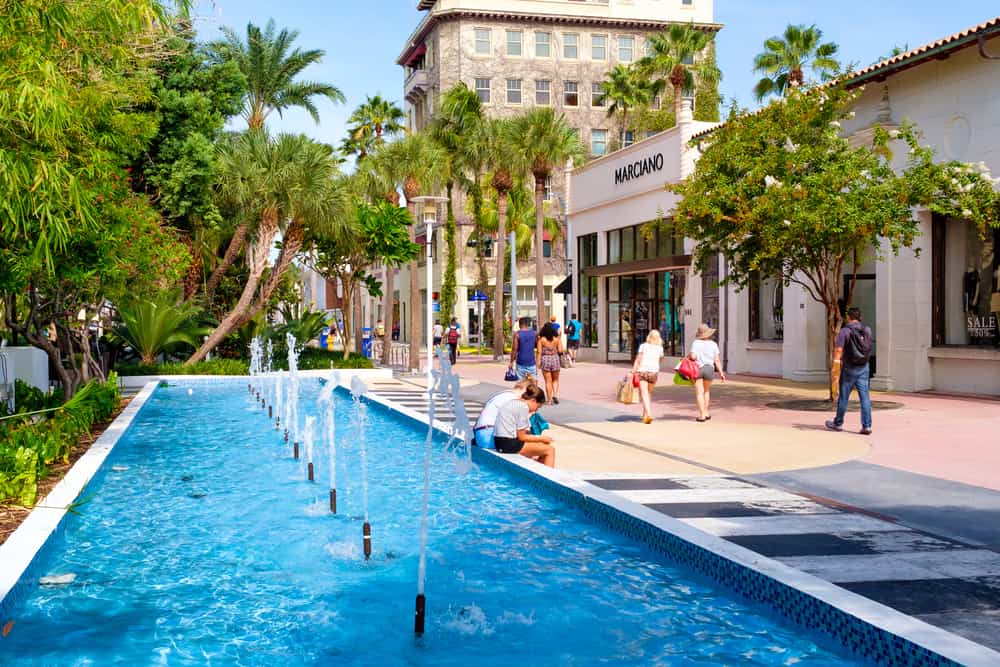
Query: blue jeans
<point>854,377</point>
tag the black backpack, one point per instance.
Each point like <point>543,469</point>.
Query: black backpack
<point>858,348</point>
<point>571,329</point>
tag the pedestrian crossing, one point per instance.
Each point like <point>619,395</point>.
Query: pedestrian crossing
<point>946,583</point>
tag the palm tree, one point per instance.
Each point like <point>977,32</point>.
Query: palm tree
<point>546,141</point>
<point>676,57</point>
<point>785,58</point>
<point>285,182</point>
<point>375,117</point>
<point>421,164</point>
<point>270,66</point>
<point>624,89</point>
<point>454,129</point>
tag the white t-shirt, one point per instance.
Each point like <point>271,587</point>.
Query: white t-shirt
<point>438,330</point>
<point>705,352</point>
<point>488,417</point>
<point>651,355</point>
<point>512,417</point>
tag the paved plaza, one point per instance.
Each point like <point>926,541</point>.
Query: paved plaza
<point>908,516</point>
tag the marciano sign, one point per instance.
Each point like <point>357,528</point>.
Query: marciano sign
<point>646,165</point>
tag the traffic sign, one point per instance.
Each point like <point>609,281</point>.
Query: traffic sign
<point>479,296</point>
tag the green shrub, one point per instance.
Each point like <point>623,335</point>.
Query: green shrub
<point>28,398</point>
<point>314,358</point>
<point>212,367</point>
<point>29,447</point>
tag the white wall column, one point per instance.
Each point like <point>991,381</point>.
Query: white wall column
<point>804,351</point>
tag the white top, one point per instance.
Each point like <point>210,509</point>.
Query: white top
<point>438,330</point>
<point>705,352</point>
<point>488,417</point>
<point>650,358</point>
<point>513,417</point>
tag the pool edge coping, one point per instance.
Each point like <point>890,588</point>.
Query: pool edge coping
<point>27,541</point>
<point>937,640</point>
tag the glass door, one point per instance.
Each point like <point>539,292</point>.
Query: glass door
<point>642,320</point>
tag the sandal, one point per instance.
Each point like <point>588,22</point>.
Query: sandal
<point>701,419</point>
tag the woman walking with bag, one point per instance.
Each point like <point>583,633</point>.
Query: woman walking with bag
<point>647,368</point>
<point>549,348</point>
<point>705,353</point>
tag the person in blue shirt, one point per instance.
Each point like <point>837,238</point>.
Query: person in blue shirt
<point>522,352</point>
<point>574,328</point>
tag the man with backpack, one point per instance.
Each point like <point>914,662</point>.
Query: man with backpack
<point>573,329</point>
<point>452,338</point>
<point>852,350</point>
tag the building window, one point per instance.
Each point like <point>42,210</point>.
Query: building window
<point>596,95</point>
<point>548,188</point>
<point>543,42</point>
<point>483,90</point>
<point>599,47</point>
<point>629,138</point>
<point>766,308</point>
<point>546,248</point>
<point>482,36</point>
<point>587,304</point>
<point>626,49</point>
<point>598,142</point>
<point>688,59</point>
<point>513,42</point>
<point>965,293</point>
<point>543,93</point>
<point>513,91</point>
<point>571,94</point>
<point>571,45</point>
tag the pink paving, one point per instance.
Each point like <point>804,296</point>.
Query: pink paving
<point>948,437</point>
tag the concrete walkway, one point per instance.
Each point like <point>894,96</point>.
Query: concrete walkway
<point>909,516</point>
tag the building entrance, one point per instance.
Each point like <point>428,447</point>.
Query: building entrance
<point>645,302</point>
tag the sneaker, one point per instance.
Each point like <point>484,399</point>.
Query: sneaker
<point>832,426</point>
<point>865,431</point>
<point>555,400</point>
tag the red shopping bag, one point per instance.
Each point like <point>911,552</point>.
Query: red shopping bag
<point>688,369</point>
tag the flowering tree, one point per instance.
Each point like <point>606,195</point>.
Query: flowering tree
<point>781,192</point>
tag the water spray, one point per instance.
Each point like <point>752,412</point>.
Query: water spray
<point>329,418</point>
<point>358,389</point>
<point>309,447</point>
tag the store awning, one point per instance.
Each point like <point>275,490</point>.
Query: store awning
<point>640,266</point>
<point>565,287</point>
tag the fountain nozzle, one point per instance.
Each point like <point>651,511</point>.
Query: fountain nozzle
<point>286,435</point>
<point>295,450</point>
<point>418,618</point>
<point>366,531</point>
<point>269,413</point>
<point>311,478</point>
<point>333,501</point>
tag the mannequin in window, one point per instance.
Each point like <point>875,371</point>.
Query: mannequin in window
<point>995,298</point>
<point>970,290</point>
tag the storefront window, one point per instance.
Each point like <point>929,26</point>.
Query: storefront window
<point>766,309</point>
<point>587,306</point>
<point>614,246</point>
<point>628,244</point>
<point>966,284</point>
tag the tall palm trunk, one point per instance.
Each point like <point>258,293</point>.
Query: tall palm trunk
<point>677,82</point>
<point>415,296</point>
<point>387,315</point>
<point>543,316</point>
<point>258,262</point>
<point>290,247</point>
<point>232,252</point>
<point>501,247</point>
<point>621,139</point>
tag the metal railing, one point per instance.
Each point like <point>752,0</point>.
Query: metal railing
<point>399,355</point>
<point>6,387</point>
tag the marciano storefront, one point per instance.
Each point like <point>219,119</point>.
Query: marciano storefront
<point>630,276</point>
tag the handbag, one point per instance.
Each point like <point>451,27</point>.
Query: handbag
<point>625,392</point>
<point>688,369</point>
<point>509,375</point>
<point>563,360</point>
<point>635,380</point>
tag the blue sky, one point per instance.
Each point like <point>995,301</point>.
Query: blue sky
<point>362,39</point>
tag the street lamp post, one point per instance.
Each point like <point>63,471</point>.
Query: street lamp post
<point>429,218</point>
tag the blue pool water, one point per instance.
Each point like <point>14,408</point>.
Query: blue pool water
<point>202,544</point>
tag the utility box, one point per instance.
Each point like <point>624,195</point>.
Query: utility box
<point>28,364</point>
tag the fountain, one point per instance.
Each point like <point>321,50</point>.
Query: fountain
<point>293,398</point>
<point>327,404</point>
<point>445,382</point>
<point>309,448</point>
<point>277,400</point>
<point>359,389</point>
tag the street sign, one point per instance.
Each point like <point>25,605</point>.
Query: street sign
<point>479,296</point>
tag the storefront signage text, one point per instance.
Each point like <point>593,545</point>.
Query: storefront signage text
<point>981,326</point>
<point>639,168</point>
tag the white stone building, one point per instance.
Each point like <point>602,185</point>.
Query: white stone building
<point>934,312</point>
<point>516,54</point>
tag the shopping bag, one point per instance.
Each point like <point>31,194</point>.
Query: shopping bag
<point>688,368</point>
<point>635,380</point>
<point>510,375</point>
<point>563,360</point>
<point>625,392</point>
<point>680,379</point>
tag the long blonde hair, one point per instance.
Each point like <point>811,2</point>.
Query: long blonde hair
<point>528,381</point>
<point>653,338</point>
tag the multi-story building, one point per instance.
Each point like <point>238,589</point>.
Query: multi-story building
<point>519,53</point>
